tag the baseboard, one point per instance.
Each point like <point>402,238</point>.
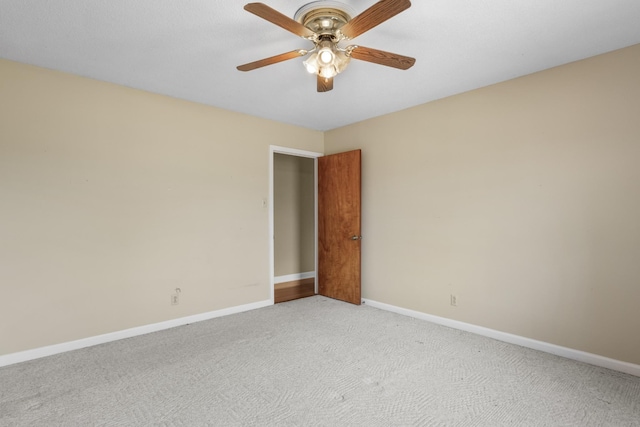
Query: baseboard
<point>23,356</point>
<point>292,277</point>
<point>569,353</point>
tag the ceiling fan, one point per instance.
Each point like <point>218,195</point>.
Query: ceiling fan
<point>326,24</point>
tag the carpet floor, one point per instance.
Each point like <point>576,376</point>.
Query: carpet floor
<point>314,362</point>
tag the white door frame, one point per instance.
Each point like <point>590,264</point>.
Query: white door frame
<point>273,149</point>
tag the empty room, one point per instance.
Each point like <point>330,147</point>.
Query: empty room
<point>230,214</point>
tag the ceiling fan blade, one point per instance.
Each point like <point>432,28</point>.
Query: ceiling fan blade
<point>325,84</point>
<point>375,15</point>
<point>381,57</point>
<point>272,60</point>
<point>275,17</point>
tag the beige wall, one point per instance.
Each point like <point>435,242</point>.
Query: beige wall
<point>111,197</point>
<point>294,214</point>
<point>522,198</point>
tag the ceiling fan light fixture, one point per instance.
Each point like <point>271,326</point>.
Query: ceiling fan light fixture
<point>341,61</point>
<point>326,55</point>
<point>328,72</point>
<point>327,61</point>
<point>311,64</point>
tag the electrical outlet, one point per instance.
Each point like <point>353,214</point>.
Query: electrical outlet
<point>454,300</point>
<point>175,297</point>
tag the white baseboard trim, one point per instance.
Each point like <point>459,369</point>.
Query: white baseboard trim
<point>292,277</point>
<point>569,353</point>
<point>23,356</point>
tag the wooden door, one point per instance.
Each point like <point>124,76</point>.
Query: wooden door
<point>339,226</point>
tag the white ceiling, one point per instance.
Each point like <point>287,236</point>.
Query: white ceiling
<point>189,49</point>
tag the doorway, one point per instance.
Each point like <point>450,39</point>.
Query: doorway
<point>292,223</point>
<point>336,230</point>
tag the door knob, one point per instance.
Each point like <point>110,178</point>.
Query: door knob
<point>356,237</point>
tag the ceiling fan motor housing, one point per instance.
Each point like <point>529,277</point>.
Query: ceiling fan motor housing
<point>324,18</point>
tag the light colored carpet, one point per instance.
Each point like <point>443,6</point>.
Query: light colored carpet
<point>314,362</point>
